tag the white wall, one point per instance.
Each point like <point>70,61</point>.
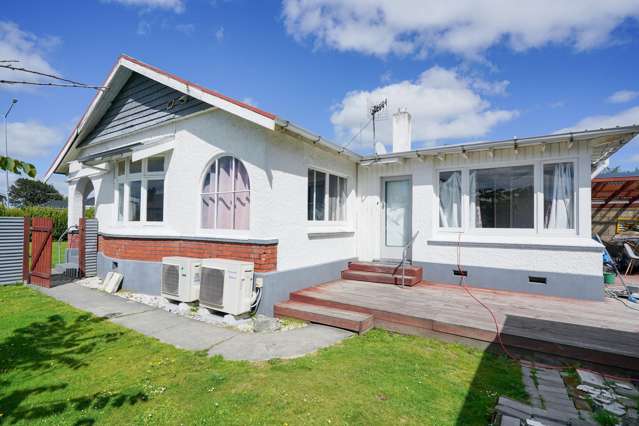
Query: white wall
<point>569,252</point>
<point>277,166</point>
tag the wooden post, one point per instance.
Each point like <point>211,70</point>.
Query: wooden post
<point>26,243</point>
<point>82,248</point>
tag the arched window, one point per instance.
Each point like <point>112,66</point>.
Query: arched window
<point>226,195</point>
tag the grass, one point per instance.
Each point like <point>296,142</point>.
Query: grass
<point>59,365</point>
<point>57,252</point>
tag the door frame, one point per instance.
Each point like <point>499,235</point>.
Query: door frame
<point>383,180</point>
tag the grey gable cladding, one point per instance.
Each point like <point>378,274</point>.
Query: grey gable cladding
<point>142,102</point>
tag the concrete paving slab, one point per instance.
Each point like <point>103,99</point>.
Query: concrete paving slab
<point>283,344</point>
<point>90,300</point>
<point>178,331</point>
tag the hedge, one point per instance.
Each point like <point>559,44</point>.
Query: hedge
<point>59,216</point>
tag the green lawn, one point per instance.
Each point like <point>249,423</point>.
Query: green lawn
<point>59,365</point>
<point>57,252</point>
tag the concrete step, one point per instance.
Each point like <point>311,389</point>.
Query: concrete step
<point>379,277</point>
<point>340,318</point>
<point>386,268</point>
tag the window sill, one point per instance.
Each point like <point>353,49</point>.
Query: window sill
<point>328,231</point>
<point>541,242</point>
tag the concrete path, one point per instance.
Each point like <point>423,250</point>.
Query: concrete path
<point>195,335</point>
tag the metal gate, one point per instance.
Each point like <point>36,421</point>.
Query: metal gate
<point>88,257</point>
<point>39,269</point>
<point>11,249</point>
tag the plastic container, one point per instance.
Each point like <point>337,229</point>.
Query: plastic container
<point>609,277</point>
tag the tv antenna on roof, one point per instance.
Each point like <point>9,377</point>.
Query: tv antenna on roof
<point>377,112</point>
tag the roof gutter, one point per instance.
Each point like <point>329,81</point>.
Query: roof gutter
<point>509,143</point>
<point>316,139</point>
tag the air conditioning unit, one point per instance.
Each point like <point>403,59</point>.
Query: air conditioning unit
<point>227,285</point>
<point>181,278</point>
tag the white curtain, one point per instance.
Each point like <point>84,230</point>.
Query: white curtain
<point>450,201</point>
<point>560,214</point>
<point>475,211</point>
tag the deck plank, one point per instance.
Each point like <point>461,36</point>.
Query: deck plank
<point>605,327</point>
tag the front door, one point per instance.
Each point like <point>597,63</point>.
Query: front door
<point>396,216</point>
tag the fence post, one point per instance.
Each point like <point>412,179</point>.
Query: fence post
<point>82,252</point>
<point>26,244</point>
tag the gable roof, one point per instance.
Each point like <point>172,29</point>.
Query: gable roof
<point>125,66</point>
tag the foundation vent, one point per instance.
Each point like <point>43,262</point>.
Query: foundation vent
<point>537,280</point>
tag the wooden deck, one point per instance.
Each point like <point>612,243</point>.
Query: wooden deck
<point>602,332</point>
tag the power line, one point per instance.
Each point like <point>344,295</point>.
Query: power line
<point>361,129</point>
<point>32,83</point>
<point>55,77</point>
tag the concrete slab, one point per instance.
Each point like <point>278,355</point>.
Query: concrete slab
<point>100,304</point>
<point>283,344</point>
<point>178,331</point>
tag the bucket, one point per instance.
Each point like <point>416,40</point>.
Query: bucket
<point>609,277</point>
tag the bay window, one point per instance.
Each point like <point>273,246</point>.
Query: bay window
<point>537,197</point>
<point>326,197</point>
<point>139,189</point>
<point>502,197</point>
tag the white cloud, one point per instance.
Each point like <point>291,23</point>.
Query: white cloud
<point>144,28</point>
<point>29,50</point>
<point>186,29</point>
<point>176,6</point>
<point>464,27</point>
<point>31,140</point>
<point>622,96</point>
<point>624,118</point>
<point>219,34</point>
<point>443,104</point>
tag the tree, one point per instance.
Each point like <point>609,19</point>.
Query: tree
<point>30,192</point>
<point>17,166</point>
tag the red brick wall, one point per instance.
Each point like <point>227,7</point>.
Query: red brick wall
<point>263,256</point>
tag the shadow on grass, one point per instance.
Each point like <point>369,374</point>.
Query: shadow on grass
<point>41,347</point>
<point>547,343</point>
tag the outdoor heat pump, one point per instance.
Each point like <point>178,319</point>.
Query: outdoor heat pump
<point>181,278</point>
<point>227,286</point>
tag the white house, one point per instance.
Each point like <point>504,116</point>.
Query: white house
<point>178,169</point>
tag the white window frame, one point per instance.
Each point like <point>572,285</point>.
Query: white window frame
<point>464,174</point>
<point>326,221</point>
<point>144,176</point>
<point>538,189</point>
<point>575,188</point>
<point>215,229</point>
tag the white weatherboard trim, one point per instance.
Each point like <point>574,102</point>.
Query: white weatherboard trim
<point>146,151</point>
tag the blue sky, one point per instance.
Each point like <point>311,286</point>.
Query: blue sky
<point>465,71</point>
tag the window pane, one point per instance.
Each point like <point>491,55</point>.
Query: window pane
<point>242,197</point>
<point>320,194</point>
<point>311,195</point>
<point>135,166</point>
<point>120,202</point>
<point>333,192</point>
<point>121,168</point>
<point>502,197</point>
<point>559,196</point>
<point>224,211</point>
<point>225,182</point>
<point>208,211</point>
<point>135,188</point>
<point>155,164</point>
<point>155,200</point>
<point>209,180</point>
<point>397,212</point>
<point>342,199</point>
<point>450,199</point>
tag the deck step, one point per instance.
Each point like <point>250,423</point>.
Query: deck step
<point>385,268</point>
<point>340,318</point>
<point>379,277</point>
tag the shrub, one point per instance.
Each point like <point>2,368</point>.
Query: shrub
<point>59,216</point>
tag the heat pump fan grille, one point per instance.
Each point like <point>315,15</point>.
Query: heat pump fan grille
<point>212,287</point>
<point>171,279</point>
